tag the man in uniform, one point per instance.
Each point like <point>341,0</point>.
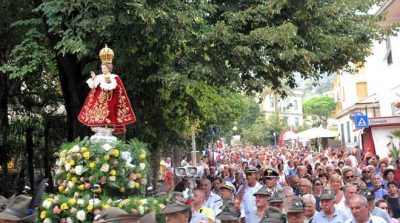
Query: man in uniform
<point>328,211</point>
<point>276,200</point>
<point>295,213</point>
<point>273,215</point>
<point>270,179</point>
<point>249,201</point>
<point>18,211</point>
<point>227,194</point>
<point>114,214</point>
<point>229,214</point>
<point>178,209</point>
<point>262,196</point>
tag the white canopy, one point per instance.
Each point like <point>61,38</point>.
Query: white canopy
<point>289,135</point>
<point>314,133</point>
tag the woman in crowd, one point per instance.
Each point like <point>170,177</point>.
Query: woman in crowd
<point>383,204</point>
<point>335,182</point>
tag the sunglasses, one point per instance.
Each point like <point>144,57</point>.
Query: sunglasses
<point>350,177</point>
<point>318,184</point>
<point>365,171</point>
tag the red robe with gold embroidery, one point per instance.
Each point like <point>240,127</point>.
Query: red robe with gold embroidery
<point>108,108</point>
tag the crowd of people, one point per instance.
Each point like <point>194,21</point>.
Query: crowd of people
<point>265,184</point>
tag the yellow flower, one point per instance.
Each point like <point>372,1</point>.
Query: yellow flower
<point>115,152</point>
<point>106,157</point>
<point>105,206</point>
<point>64,206</point>
<point>161,206</point>
<point>142,156</point>
<point>61,188</point>
<point>122,189</point>
<point>99,190</point>
<point>68,175</point>
<point>81,187</point>
<point>72,162</point>
<point>72,201</point>
<point>69,151</point>
<point>92,165</point>
<point>86,155</point>
<point>113,173</point>
<point>43,214</point>
<point>90,207</point>
<point>137,185</point>
<point>83,149</point>
<point>138,175</point>
<point>63,154</point>
<point>74,179</point>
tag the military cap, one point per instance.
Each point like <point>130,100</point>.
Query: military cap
<point>18,210</point>
<point>327,194</point>
<point>251,169</point>
<point>273,215</point>
<point>177,202</point>
<point>229,212</point>
<point>229,186</point>
<point>368,194</point>
<point>277,197</point>
<point>270,172</point>
<point>263,191</point>
<point>296,205</point>
<point>114,214</point>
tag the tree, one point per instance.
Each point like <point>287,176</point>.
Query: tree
<point>320,107</point>
<point>261,133</point>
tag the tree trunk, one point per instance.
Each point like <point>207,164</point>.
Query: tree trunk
<point>4,127</point>
<point>29,151</point>
<point>46,153</point>
<point>74,93</point>
<point>155,151</point>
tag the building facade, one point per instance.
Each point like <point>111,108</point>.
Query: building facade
<point>374,90</point>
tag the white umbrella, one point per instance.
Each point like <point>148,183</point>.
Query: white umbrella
<point>289,135</point>
<point>319,132</point>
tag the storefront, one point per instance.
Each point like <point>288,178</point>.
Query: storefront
<point>378,138</point>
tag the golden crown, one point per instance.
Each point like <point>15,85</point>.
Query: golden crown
<point>106,55</point>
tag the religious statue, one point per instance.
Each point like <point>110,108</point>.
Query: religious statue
<point>107,106</point>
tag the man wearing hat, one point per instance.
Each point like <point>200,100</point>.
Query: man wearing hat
<point>360,211</point>
<point>229,214</point>
<point>114,214</point>
<point>295,212</point>
<point>177,209</point>
<point>228,191</point>
<point>273,215</point>
<point>276,200</point>
<point>262,196</point>
<point>328,211</point>
<point>270,179</point>
<point>249,201</point>
<point>375,211</point>
<point>18,211</point>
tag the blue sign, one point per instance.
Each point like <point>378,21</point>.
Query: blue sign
<point>362,122</point>
<point>353,115</point>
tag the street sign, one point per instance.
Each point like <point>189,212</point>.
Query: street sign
<point>353,115</point>
<point>362,122</point>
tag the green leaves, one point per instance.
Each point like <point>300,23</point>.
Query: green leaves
<point>321,107</point>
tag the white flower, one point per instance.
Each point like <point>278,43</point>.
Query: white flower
<point>47,220</point>
<point>75,149</point>
<point>79,170</point>
<point>71,184</point>
<point>109,201</point>
<point>107,147</point>
<point>142,166</point>
<point>112,178</point>
<point>141,210</point>
<point>59,171</point>
<point>69,220</point>
<point>46,204</point>
<point>67,167</point>
<point>80,202</point>
<point>126,155</point>
<point>60,162</point>
<point>95,202</point>
<point>81,215</point>
<point>105,167</point>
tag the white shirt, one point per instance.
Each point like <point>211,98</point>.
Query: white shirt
<point>372,219</point>
<point>249,200</point>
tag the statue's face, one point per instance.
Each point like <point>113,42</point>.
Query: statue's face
<point>104,69</point>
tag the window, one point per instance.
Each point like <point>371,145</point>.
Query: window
<point>355,139</point>
<point>348,132</point>
<point>361,90</point>
<point>388,56</point>
<point>271,102</point>
<point>342,133</point>
<point>286,120</point>
<point>296,121</point>
<point>295,106</point>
